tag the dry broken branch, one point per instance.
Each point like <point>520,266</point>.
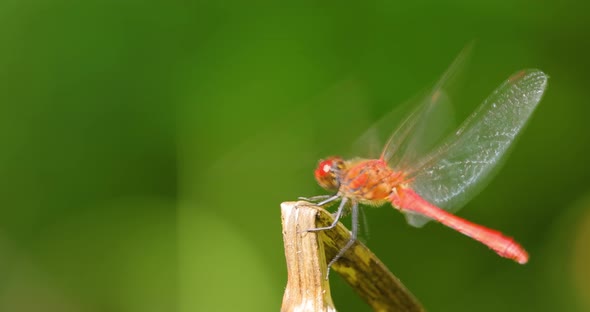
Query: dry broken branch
<point>307,254</point>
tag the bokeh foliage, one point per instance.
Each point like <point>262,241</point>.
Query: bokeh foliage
<point>146,146</point>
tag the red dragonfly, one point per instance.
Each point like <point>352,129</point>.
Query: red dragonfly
<point>437,184</point>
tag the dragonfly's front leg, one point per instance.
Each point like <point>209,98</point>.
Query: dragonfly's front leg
<point>321,200</point>
<point>314,199</point>
<point>336,217</point>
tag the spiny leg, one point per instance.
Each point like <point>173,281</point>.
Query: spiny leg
<point>316,198</point>
<point>336,218</point>
<point>330,199</point>
<point>353,235</point>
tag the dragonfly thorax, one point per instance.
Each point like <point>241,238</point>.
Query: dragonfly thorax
<point>370,181</point>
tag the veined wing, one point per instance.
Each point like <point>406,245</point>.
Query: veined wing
<point>456,171</point>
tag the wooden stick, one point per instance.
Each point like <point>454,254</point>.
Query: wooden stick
<point>307,255</point>
<point>307,289</point>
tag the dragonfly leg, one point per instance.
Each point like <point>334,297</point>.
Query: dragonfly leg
<point>330,199</point>
<point>321,200</point>
<point>353,236</point>
<point>336,218</point>
<point>316,198</point>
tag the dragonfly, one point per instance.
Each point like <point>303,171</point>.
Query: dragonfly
<point>438,183</point>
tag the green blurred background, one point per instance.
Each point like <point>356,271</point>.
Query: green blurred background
<point>146,147</point>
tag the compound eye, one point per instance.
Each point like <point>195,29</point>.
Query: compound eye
<point>325,167</point>
<point>326,173</point>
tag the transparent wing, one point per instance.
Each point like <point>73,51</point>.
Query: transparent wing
<point>421,130</point>
<point>417,133</point>
<point>453,173</point>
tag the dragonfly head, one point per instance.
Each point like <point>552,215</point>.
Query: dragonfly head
<point>328,173</point>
